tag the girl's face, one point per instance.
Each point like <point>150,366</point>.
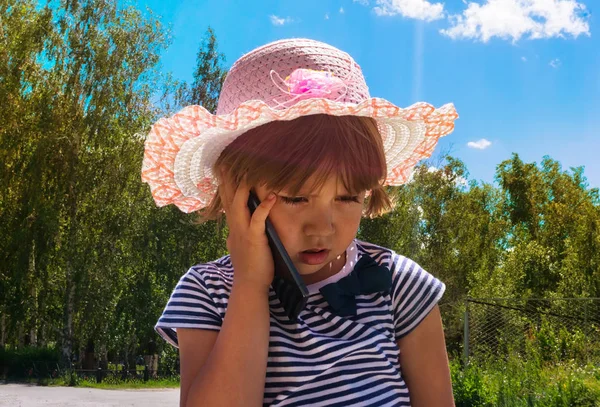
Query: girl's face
<point>316,226</point>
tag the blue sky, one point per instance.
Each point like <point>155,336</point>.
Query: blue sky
<point>524,74</point>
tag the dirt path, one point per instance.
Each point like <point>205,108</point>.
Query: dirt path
<point>22,395</point>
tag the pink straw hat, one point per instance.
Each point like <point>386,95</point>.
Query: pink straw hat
<point>319,79</point>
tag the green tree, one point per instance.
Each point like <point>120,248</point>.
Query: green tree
<point>84,92</point>
<point>209,73</point>
<point>553,219</point>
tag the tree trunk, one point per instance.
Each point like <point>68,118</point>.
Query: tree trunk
<point>33,336</point>
<point>152,362</point>
<point>67,334</point>
<point>41,340</point>
<point>42,336</point>
<point>89,357</point>
<point>103,357</point>
<point>20,335</point>
<point>131,361</point>
<point>69,308</point>
<point>32,303</point>
<point>3,330</point>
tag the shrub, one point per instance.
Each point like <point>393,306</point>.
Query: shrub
<point>28,362</point>
<point>469,387</point>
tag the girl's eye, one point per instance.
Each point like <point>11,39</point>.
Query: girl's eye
<point>349,199</point>
<point>296,200</point>
<point>292,200</point>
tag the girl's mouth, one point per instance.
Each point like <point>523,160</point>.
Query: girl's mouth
<point>314,257</point>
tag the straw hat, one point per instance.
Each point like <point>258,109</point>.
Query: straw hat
<point>319,79</point>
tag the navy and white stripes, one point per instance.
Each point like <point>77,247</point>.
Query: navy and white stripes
<point>321,359</point>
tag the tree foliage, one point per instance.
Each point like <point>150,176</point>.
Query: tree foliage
<point>209,74</point>
<point>534,234</point>
<point>88,261</point>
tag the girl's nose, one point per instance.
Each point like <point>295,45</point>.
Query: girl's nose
<point>320,224</point>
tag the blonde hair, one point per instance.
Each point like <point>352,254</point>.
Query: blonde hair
<point>285,154</point>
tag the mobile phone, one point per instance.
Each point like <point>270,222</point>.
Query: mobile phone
<point>287,282</point>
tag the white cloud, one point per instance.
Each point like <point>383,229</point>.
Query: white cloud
<point>326,16</point>
<point>555,63</point>
<point>514,19</point>
<point>523,59</point>
<point>279,21</point>
<point>480,144</point>
<point>342,11</point>
<point>417,9</point>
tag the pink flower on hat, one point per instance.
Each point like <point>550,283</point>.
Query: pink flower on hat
<point>313,83</point>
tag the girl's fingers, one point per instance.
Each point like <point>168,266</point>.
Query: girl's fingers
<point>257,222</point>
<point>235,203</point>
<point>239,204</point>
<point>241,194</point>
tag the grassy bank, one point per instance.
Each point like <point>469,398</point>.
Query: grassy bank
<point>150,384</point>
<point>515,383</point>
<point>60,381</point>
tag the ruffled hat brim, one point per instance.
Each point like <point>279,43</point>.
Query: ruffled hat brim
<point>182,149</point>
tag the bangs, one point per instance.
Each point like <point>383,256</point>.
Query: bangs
<point>286,154</point>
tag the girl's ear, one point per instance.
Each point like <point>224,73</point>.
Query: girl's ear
<point>220,173</point>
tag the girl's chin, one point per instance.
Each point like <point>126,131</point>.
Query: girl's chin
<point>314,274</point>
<point>306,270</point>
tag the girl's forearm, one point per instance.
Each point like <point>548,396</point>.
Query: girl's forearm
<point>234,373</point>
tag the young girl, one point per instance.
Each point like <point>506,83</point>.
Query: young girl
<point>317,150</point>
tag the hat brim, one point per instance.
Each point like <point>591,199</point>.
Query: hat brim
<point>181,150</point>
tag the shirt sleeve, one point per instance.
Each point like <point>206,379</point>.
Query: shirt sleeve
<point>414,294</point>
<point>190,306</point>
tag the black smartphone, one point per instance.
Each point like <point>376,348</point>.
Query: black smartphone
<point>287,282</point>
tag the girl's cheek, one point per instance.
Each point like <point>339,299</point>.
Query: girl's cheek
<point>282,217</point>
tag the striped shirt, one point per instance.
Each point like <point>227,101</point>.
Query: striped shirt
<point>321,359</point>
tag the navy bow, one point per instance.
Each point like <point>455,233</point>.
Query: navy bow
<point>368,277</point>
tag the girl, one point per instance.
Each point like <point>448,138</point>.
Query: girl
<point>317,150</point>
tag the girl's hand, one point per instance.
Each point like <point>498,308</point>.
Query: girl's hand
<point>247,241</point>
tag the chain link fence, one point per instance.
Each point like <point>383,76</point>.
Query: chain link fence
<point>553,330</point>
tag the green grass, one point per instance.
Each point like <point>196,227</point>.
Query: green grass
<point>135,384</point>
<point>518,383</point>
<point>150,384</point>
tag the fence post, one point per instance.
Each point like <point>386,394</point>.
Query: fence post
<point>466,334</point>
<point>72,375</point>
<point>99,375</point>
<point>586,330</point>
<point>146,373</point>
